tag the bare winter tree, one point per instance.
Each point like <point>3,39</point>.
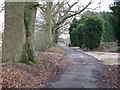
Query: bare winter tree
<point>2,7</point>
<point>56,16</point>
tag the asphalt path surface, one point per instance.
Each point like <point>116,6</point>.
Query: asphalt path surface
<point>80,74</point>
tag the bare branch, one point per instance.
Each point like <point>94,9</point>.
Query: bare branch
<point>69,16</point>
<point>2,8</point>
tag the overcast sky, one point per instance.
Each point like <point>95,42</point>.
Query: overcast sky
<point>1,15</point>
<point>103,7</point>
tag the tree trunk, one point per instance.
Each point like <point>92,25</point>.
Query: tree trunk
<point>28,53</point>
<point>55,37</point>
<point>43,37</point>
<point>49,28</point>
<point>19,31</point>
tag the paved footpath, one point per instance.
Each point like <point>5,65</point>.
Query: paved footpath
<point>80,74</point>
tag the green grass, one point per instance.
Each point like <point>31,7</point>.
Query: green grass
<point>109,61</point>
<point>106,58</point>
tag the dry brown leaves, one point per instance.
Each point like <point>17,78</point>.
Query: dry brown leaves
<point>16,77</point>
<point>52,60</point>
<point>54,49</point>
<point>112,75</point>
<point>25,76</point>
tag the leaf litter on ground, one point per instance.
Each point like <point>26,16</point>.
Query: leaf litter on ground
<point>19,75</point>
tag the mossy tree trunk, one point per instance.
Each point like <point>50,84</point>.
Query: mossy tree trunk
<point>19,31</point>
<point>52,29</point>
<point>28,53</point>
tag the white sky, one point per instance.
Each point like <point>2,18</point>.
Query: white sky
<point>104,7</point>
<point>1,15</point>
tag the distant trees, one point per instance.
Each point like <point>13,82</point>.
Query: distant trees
<point>88,33</point>
<point>80,34</point>
<point>56,15</point>
<point>116,13</point>
<point>93,32</point>
<point>73,32</point>
<point>86,26</point>
<point>107,18</point>
<point>73,37</point>
<point>109,32</point>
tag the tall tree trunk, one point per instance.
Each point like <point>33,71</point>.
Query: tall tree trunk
<point>43,37</point>
<point>49,21</point>
<point>19,31</point>
<point>28,53</point>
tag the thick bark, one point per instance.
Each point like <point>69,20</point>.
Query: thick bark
<point>28,53</point>
<point>14,33</point>
<point>55,36</point>
<point>43,39</point>
<point>49,19</point>
<point>18,34</point>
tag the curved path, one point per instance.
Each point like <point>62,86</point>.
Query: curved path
<point>81,73</point>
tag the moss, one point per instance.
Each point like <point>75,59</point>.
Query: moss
<point>28,13</point>
<point>41,65</point>
<point>24,56</point>
<point>28,52</point>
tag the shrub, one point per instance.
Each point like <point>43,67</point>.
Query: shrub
<point>87,34</point>
<point>73,37</point>
<point>80,35</point>
<point>93,32</point>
